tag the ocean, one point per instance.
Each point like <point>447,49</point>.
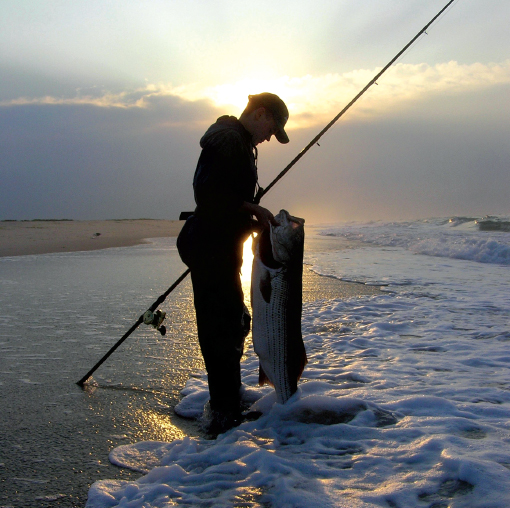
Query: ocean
<point>60,314</point>
<point>405,401</point>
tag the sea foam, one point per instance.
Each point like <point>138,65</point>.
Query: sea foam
<point>405,401</point>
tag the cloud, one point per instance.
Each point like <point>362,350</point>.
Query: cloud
<point>104,154</point>
<point>311,99</point>
<point>314,99</point>
<point>79,160</point>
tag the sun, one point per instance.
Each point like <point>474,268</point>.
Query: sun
<point>232,97</point>
<point>236,94</point>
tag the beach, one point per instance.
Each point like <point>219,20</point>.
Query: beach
<point>62,311</point>
<point>18,238</point>
<point>405,400</point>
<point>22,238</point>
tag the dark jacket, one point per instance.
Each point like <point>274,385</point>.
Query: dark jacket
<point>225,177</point>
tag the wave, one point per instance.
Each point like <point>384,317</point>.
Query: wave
<point>471,249</point>
<point>481,240</point>
<point>457,221</point>
<point>490,223</point>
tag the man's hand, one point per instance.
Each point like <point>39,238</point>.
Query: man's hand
<point>263,215</point>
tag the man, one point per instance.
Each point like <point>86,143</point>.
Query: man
<point>211,242</point>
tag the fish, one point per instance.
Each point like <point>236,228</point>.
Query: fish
<point>276,299</point>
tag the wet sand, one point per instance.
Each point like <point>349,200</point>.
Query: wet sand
<point>318,287</point>
<point>58,436</point>
<point>18,238</point>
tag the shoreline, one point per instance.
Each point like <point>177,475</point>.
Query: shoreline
<point>75,316</point>
<point>22,238</point>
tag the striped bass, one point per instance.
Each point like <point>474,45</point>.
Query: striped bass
<point>276,299</point>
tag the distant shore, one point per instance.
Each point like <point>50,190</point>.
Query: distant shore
<point>18,238</point>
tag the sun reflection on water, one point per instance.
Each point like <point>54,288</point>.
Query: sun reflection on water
<point>247,260</point>
<point>246,269</point>
<point>157,423</point>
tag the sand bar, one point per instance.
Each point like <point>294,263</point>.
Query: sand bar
<point>18,238</point>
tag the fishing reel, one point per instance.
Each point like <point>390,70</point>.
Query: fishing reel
<point>155,319</point>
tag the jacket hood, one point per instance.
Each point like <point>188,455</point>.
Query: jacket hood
<point>222,125</point>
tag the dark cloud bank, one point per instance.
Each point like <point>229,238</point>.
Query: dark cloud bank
<point>89,162</point>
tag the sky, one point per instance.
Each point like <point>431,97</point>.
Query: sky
<point>103,103</point>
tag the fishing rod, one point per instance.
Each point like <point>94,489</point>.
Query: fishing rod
<point>263,192</point>
<point>150,317</point>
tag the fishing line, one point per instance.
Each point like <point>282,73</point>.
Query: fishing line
<point>439,19</point>
<point>373,81</point>
<point>262,192</point>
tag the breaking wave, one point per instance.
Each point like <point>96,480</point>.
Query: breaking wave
<point>481,240</point>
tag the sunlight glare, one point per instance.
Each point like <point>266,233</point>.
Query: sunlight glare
<point>247,261</point>
<point>236,94</point>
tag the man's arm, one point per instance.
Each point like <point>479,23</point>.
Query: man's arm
<point>263,215</point>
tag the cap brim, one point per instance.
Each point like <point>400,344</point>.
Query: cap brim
<point>281,135</point>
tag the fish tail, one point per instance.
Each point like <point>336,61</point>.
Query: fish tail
<point>263,379</point>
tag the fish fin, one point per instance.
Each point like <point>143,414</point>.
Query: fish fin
<point>265,287</point>
<point>263,379</point>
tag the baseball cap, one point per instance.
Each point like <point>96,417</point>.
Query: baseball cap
<point>278,109</point>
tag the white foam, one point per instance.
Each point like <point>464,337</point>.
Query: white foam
<point>405,400</point>
<point>457,239</point>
